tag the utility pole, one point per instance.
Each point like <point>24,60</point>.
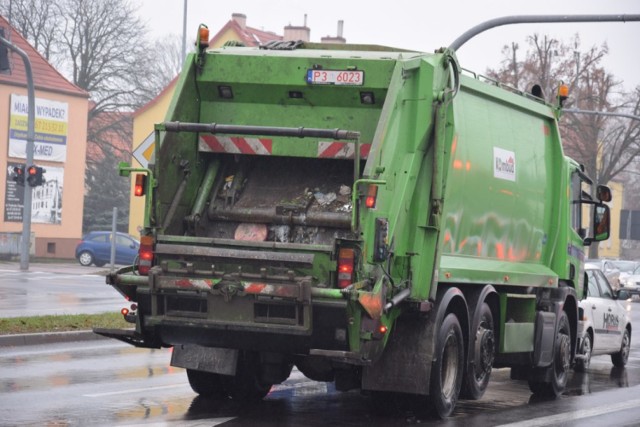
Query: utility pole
<point>184,33</point>
<point>31,113</point>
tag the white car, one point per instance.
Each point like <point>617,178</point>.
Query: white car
<point>605,325</point>
<point>631,283</point>
<point>610,270</point>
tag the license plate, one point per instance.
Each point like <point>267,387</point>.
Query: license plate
<point>335,77</point>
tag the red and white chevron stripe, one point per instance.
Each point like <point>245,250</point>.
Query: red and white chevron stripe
<point>341,150</point>
<point>235,145</point>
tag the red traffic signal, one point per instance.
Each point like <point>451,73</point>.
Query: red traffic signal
<point>34,175</point>
<point>18,174</point>
<point>140,187</point>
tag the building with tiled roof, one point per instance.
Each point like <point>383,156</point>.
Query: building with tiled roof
<point>60,147</point>
<point>236,29</point>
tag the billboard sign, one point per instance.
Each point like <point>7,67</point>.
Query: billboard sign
<point>51,124</point>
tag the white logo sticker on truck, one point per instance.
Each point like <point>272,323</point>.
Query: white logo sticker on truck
<point>504,164</point>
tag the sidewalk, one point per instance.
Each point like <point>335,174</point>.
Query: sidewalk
<point>55,266</point>
<point>16,340</point>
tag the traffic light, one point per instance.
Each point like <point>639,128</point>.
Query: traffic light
<point>140,187</point>
<point>5,64</point>
<point>18,174</point>
<point>34,175</point>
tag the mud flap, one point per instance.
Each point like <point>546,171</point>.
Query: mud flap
<point>215,360</point>
<point>405,364</point>
<point>545,338</point>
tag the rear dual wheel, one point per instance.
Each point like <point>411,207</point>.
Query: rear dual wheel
<point>245,385</point>
<point>448,368</point>
<point>481,354</point>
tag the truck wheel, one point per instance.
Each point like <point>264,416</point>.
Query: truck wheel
<point>620,358</point>
<point>583,364</point>
<point>246,384</point>
<point>85,258</point>
<point>481,354</point>
<point>447,369</point>
<point>207,384</point>
<point>561,362</point>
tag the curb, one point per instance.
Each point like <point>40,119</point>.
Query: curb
<point>48,338</point>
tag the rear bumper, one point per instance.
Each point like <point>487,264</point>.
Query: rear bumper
<point>287,316</point>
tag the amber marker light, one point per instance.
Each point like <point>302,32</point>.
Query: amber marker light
<point>563,91</point>
<point>203,35</point>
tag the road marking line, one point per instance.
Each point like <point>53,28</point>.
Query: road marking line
<point>135,390</point>
<point>205,422</point>
<point>575,415</point>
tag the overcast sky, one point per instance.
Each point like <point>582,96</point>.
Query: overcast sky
<point>418,24</point>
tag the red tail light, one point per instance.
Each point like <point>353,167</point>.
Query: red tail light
<point>345,267</point>
<point>139,187</point>
<point>145,255</point>
<point>372,194</point>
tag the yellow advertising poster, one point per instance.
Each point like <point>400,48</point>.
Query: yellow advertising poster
<point>51,122</point>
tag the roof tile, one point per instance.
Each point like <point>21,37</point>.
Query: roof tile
<point>45,76</point>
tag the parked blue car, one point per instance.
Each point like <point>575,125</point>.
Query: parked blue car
<point>95,248</point>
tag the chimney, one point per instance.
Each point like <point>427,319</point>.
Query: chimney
<point>337,39</point>
<point>292,32</point>
<point>241,19</point>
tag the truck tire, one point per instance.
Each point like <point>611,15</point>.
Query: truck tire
<point>448,368</point>
<point>583,363</point>
<point>246,384</point>
<point>481,355</point>
<point>560,365</point>
<point>620,358</point>
<point>207,384</point>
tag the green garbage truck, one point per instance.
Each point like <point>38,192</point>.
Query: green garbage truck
<point>377,218</point>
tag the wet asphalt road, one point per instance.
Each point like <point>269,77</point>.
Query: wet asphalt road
<point>55,288</point>
<point>106,383</point>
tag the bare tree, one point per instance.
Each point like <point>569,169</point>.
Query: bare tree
<point>38,21</point>
<point>607,146</point>
<point>167,54</point>
<point>106,50</point>
<point>102,47</point>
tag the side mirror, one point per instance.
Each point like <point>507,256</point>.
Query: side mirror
<point>623,295</point>
<point>601,224</point>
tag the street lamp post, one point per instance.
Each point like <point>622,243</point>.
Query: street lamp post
<point>184,32</point>
<point>26,210</point>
